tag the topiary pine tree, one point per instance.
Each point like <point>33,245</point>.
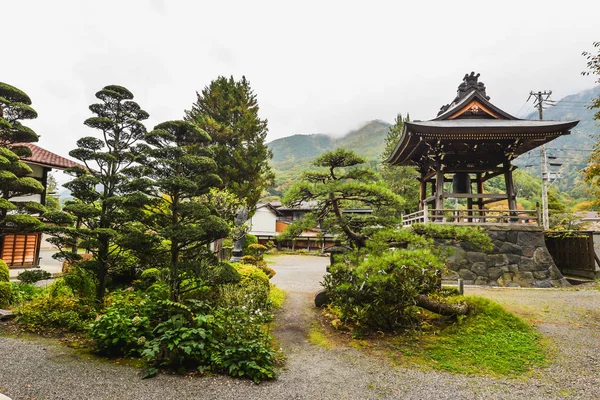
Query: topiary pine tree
<point>15,180</point>
<point>177,171</point>
<point>341,184</point>
<point>99,191</point>
<point>228,111</point>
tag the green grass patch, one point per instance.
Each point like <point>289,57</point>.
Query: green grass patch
<point>318,337</point>
<point>491,342</point>
<point>277,296</point>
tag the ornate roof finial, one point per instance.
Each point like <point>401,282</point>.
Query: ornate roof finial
<point>469,83</point>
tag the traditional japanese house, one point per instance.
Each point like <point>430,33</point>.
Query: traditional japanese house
<point>22,250</point>
<point>469,142</point>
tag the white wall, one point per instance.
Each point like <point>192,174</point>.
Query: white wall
<point>264,220</point>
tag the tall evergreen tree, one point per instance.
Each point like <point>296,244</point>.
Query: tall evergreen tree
<point>228,111</point>
<point>15,179</point>
<point>177,171</point>
<point>99,191</point>
<point>402,180</point>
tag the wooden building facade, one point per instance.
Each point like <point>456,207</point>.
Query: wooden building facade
<point>22,249</point>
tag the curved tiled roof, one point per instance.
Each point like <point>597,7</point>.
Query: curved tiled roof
<point>47,158</point>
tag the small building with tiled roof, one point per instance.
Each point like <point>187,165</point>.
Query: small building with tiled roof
<point>22,250</point>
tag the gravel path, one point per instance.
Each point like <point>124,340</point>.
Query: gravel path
<point>44,370</point>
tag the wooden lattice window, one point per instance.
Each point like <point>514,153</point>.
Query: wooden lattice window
<point>20,250</point>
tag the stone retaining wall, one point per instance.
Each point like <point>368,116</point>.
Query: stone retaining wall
<point>519,259</point>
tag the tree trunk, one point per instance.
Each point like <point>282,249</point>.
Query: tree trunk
<point>439,307</point>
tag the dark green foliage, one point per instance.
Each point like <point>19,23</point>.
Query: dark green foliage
<point>176,170</point>
<point>33,275</point>
<point>402,180</point>
<point>6,292</point>
<point>100,193</point>
<point>474,235</point>
<point>4,272</point>
<point>340,184</point>
<point>228,111</point>
<point>378,291</point>
<point>124,325</point>
<point>14,174</point>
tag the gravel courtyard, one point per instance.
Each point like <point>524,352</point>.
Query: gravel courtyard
<point>570,319</point>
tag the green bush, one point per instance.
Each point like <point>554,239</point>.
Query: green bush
<point>248,240</point>
<point>57,308</point>
<point>232,340</point>
<point>33,275</point>
<point>23,292</point>
<point>4,272</point>
<point>254,285</point>
<point>124,325</point>
<point>5,294</point>
<point>378,291</point>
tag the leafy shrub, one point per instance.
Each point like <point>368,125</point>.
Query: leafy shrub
<point>22,292</point>
<point>377,292</point>
<point>5,294</point>
<point>254,284</point>
<point>474,235</point>
<point>33,275</point>
<point>4,272</point>
<point>124,326</point>
<point>148,277</point>
<point>232,340</point>
<point>56,308</point>
<point>81,283</point>
<point>248,240</point>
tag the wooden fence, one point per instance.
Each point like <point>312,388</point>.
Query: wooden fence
<point>574,252</point>
<point>473,216</point>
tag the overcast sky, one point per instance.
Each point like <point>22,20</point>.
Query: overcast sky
<point>316,66</point>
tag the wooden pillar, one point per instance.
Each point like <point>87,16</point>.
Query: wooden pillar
<point>480,190</point>
<point>439,191</point>
<point>510,187</point>
<point>422,192</point>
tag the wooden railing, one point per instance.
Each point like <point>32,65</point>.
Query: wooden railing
<point>473,216</point>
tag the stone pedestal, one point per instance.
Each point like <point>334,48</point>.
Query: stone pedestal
<point>519,259</point>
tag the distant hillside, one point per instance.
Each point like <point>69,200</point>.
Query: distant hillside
<point>571,151</point>
<point>293,154</point>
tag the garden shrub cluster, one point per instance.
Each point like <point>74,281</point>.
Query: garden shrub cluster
<point>60,307</point>
<point>376,288</point>
<point>221,328</point>
<point>5,286</point>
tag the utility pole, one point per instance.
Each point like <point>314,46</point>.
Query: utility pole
<point>540,98</point>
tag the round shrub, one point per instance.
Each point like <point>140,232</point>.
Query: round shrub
<point>254,284</point>
<point>378,291</point>
<point>5,294</point>
<point>4,272</point>
<point>33,275</point>
<point>248,240</point>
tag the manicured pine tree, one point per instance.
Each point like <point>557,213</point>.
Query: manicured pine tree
<point>15,180</point>
<point>99,189</point>
<point>340,184</point>
<point>178,169</point>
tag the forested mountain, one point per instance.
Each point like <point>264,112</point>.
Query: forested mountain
<point>293,154</point>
